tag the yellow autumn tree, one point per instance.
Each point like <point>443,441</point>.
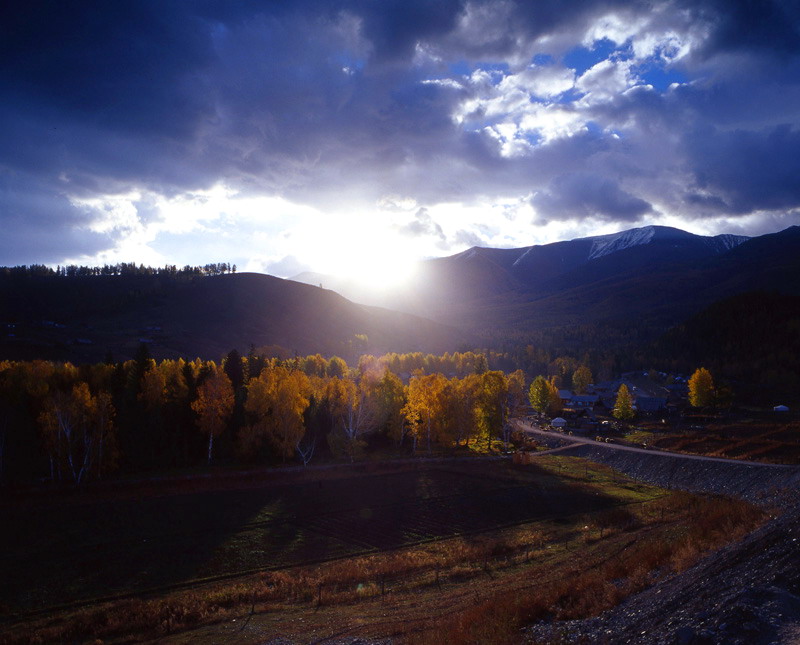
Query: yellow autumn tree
<point>701,388</point>
<point>461,407</point>
<point>539,394</point>
<point>516,391</point>
<point>623,408</point>
<point>214,405</point>
<point>390,396</point>
<point>555,405</point>
<point>581,379</point>
<point>276,402</point>
<point>78,433</point>
<point>175,388</point>
<point>152,388</point>
<point>354,410</point>
<point>492,406</point>
<point>425,408</point>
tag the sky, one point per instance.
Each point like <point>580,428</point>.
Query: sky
<point>356,136</point>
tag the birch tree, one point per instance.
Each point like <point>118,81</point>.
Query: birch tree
<point>214,405</point>
<point>77,432</point>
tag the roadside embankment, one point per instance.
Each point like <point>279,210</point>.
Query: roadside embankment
<point>748,593</point>
<point>765,484</point>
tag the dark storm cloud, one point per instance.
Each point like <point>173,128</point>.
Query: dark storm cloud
<point>748,170</point>
<point>28,240</point>
<point>328,101</point>
<point>766,26</point>
<point>126,66</point>
<point>394,27</point>
<point>580,196</point>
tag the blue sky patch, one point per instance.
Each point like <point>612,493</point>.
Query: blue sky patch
<point>543,59</point>
<point>460,68</point>
<point>580,58</point>
<point>659,77</point>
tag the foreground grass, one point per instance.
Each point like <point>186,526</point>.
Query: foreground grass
<point>477,589</point>
<point>691,528</point>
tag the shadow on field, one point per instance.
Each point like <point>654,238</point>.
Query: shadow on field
<point>61,554</point>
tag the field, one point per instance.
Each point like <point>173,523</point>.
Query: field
<point>753,436</point>
<point>156,565</point>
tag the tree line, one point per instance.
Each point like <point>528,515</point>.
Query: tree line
<point>120,269</point>
<point>72,424</point>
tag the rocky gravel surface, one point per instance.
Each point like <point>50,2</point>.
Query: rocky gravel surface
<point>746,593</point>
<point>766,485</point>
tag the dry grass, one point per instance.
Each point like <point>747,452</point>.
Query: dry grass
<point>630,546</point>
<point>746,439</point>
<point>338,582</point>
<point>691,527</point>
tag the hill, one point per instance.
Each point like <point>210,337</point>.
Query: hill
<point>82,318</point>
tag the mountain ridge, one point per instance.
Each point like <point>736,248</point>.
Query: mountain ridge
<point>82,318</point>
<point>480,272</point>
<point>656,275</point>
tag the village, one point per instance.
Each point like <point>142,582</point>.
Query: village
<point>664,419</point>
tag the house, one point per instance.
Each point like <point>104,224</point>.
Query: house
<point>565,396</point>
<point>558,422</point>
<point>585,400</point>
<point>650,403</point>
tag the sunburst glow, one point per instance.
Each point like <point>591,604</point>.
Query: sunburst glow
<point>365,252</point>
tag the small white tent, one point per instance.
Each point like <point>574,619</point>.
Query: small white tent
<point>558,422</point>
<point>780,408</point>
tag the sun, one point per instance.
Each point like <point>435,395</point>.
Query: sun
<point>365,252</point>
<point>374,266</point>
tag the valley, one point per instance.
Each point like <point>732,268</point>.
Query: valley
<point>400,492</point>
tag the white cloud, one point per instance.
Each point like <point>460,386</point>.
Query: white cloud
<point>604,81</point>
<point>615,27</point>
<point>539,81</point>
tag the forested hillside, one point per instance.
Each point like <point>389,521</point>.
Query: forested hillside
<point>83,315</point>
<point>752,338</point>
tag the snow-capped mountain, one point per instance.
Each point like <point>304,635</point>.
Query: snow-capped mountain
<point>607,244</point>
<point>654,273</point>
<point>634,249</point>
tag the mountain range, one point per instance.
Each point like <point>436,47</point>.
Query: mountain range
<point>632,285</point>
<point>656,275</point>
